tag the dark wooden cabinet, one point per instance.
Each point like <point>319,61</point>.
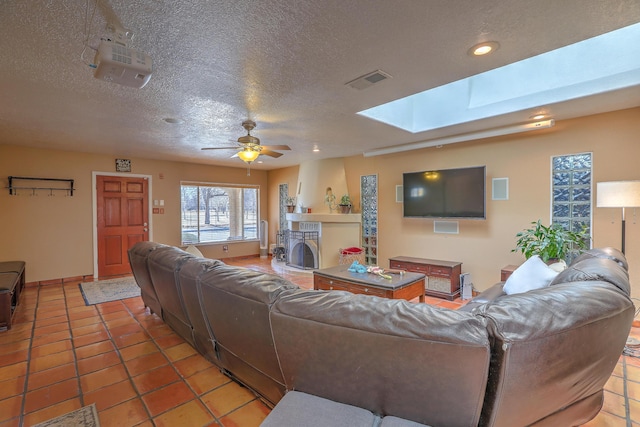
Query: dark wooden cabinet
<point>506,272</point>
<point>443,277</point>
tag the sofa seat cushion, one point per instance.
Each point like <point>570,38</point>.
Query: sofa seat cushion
<point>532,274</point>
<point>301,409</point>
<point>391,421</point>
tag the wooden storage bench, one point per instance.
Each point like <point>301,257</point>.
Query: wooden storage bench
<point>11,287</point>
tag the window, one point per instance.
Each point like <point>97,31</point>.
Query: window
<point>213,213</point>
<point>571,191</point>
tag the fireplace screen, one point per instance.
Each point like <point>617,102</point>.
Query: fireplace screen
<point>302,249</point>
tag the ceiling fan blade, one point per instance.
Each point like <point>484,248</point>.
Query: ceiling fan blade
<point>276,147</point>
<point>270,153</point>
<point>219,148</point>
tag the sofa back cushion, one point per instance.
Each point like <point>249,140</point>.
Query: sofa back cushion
<point>607,252</point>
<point>555,346</point>
<point>392,357</point>
<point>188,277</point>
<point>236,303</point>
<point>164,265</point>
<point>595,269</point>
<point>138,255</point>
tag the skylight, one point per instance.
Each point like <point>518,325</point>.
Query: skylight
<point>601,64</point>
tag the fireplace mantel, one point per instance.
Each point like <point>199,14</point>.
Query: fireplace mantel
<point>323,217</point>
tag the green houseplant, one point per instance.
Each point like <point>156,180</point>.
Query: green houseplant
<point>551,242</point>
<point>345,204</point>
<point>291,204</point>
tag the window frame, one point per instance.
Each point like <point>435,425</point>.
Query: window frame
<point>225,186</point>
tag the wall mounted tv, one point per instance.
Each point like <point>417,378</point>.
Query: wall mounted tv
<point>447,193</point>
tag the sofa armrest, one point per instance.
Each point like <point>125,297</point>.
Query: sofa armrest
<point>485,297</point>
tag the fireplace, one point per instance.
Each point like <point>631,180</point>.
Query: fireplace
<point>302,249</point>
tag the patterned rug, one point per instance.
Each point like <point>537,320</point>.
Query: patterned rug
<point>109,290</point>
<point>83,417</point>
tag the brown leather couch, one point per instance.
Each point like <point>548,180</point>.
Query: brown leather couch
<point>334,358</point>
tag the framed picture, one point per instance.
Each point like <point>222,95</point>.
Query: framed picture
<point>123,165</point>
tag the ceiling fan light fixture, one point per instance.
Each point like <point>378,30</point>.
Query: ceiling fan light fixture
<point>248,155</point>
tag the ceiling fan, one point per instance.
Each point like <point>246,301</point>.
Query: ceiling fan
<point>249,147</point>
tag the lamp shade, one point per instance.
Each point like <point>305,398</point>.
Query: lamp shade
<point>618,194</point>
<point>248,155</point>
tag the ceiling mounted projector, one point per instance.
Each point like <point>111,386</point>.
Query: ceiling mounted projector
<point>122,65</point>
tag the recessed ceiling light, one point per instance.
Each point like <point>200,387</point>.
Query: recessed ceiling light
<point>483,48</point>
<point>316,149</point>
<point>538,116</point>
<point>173,120</point>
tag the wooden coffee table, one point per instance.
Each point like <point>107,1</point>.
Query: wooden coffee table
<point>406,286</point>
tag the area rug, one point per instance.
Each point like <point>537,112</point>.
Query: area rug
<point>83,417</point>
<point>109,290</point>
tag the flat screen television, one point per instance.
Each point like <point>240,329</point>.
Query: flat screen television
<point>446,193</point>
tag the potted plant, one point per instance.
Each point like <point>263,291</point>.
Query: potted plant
<point>291,204</point>
<point>345,204</point>
<point>551,242</point>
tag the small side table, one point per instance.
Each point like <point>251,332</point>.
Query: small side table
<point>506,271</point>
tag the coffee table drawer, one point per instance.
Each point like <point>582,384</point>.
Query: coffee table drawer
<point>327,284</point>
<point>367,290</point>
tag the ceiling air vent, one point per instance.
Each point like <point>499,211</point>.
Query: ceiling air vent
<point>369,79</point>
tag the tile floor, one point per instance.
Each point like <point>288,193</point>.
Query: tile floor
<point>61,355</point>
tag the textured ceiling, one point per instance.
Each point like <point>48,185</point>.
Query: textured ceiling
<point>282,63</point>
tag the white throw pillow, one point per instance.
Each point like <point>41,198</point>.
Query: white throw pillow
<point>194,251</point>
<point>533,274</point>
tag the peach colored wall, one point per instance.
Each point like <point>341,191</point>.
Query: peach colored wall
<point>484,247</point>
<point>54,234</point>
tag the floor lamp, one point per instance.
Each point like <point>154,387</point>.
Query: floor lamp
<point>618,194</point>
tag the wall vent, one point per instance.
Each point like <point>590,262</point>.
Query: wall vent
<point>367,80</point>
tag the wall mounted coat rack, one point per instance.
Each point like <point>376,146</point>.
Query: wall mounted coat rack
<point>39,184</point>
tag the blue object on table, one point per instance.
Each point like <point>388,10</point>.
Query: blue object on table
<point>356,267</point>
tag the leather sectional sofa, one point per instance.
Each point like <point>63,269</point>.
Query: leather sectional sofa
<point>331,358</point>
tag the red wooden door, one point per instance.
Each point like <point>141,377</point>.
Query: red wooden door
<point>123,217</point>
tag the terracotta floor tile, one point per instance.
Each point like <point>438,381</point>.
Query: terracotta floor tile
<point>145,363</point>
<point>14,422</point>
<point>111,307</point>
<point>51,329</point>
<point>156,378</point>
<point>51,395</point>
<point>205,381</point>
<point>123,321</point>
<point>52,312</point>
<point>180,351</point>
<point>46,339</point>
<point>51,376</point>
<point>157,331</point>
<point>126,329</point>
<point>604,419</point>
<point>192,364</point>
<point>114,315</point>
<point>614,404</point>
<point>15,346</point>
<point>98,362</point>
<point>51,348</point>
<point>10,408</point>
<point>102,378</point>
<point>131,339</point>
<point>192,413</point>
<point>88,329</point>
<point>111,395</point>
<point>138,350</point>
<point>79,313</point>
<point>90,338</point>
<point>52,412</point>
<point>52,320</point>
<point>12,358</point>
<point>225,399</point>
<point>168,341</point>
<point>616,385</point>
<point>94,349</point>
<point>12,387</point>
<point>11,371</point>
<point>14,335</point>
<point>51,361</point>
<point>84,322</point>
<point>165,398</point>
<point>129,413</point>
<point>250,415</point>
